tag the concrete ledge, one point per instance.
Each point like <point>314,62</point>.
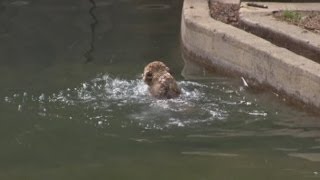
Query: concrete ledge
<point>225,46</point>
<point>260,22</point>
<point>276,6</point>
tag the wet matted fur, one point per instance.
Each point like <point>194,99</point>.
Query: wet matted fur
<point>162,84</point>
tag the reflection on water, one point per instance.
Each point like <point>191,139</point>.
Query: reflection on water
<point>62,118</point>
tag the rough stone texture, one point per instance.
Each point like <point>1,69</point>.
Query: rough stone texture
<point>282,34</point>
<point>262,23</point>
<point>280,6</point>
<point>227,13</point>
<point>225,46</point>
<point>306,19</point>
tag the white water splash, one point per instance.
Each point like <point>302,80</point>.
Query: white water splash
<point>106,101</point>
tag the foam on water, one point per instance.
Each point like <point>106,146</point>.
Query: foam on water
<point>106,101</point>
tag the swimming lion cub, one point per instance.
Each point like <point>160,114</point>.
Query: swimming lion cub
<point>162,84</point>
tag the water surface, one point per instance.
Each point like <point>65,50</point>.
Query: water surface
<point>73,105</point>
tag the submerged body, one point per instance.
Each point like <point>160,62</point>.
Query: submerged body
<point>162,84</point>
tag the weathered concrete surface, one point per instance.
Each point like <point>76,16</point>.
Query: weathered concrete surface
<point>260,21</point>
<point>225,46</point>
<point>279,6</point>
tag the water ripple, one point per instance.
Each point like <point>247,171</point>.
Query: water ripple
<point>106,101</point>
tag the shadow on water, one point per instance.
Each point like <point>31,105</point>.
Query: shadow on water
<point>65,119</point>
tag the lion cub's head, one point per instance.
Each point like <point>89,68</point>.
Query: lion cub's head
<point>161,83</point>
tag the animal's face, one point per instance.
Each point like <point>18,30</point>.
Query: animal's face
<point>153,70</point>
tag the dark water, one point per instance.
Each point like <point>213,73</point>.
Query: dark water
<point>73,105</point>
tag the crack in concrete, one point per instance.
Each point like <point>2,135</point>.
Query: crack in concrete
<point>88,55</point>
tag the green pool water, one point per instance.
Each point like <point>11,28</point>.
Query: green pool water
<point>73,105</point>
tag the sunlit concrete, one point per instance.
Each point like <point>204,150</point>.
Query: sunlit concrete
<point>225,46</point>
<point>261,22</point>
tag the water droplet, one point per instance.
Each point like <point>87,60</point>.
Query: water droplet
<point>41,97</point>
<point>256,113</point>
<point>244,82</point>
<point>19,107</point>
<point>6,99</point>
